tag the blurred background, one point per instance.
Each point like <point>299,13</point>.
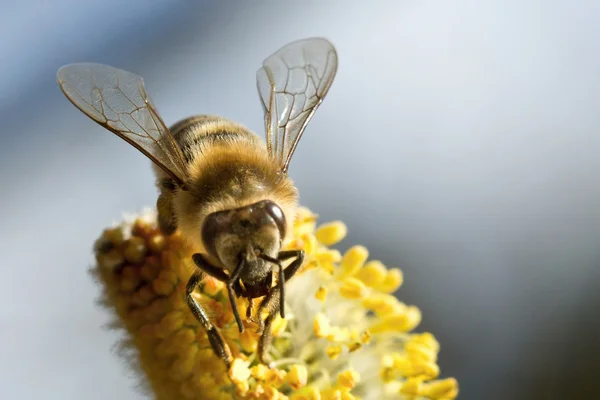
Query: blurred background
<point>460,142</point>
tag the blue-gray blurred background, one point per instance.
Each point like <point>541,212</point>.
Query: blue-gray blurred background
<point>460,141</point>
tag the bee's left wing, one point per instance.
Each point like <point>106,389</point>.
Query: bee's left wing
<point>117,100</point>
<point>292,84</point>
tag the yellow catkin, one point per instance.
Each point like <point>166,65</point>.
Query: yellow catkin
<point>144,276</point>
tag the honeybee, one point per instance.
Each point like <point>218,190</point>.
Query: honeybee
<point>225,189</point>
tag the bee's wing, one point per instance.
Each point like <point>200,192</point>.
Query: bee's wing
<point>117,100</point>
<point>292,84</point>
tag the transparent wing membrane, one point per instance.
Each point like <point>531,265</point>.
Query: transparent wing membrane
<point>292,84</point>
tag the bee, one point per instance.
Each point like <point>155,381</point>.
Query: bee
<point>224,188</point>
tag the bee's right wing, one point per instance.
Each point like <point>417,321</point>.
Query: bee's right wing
<point>118,101</point>
<point>292,84</point>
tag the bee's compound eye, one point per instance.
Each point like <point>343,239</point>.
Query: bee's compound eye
<point>214,224</point>
<point>277,214</point>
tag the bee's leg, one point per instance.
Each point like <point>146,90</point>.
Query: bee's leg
<point>295,265</point>
<point>210,270</point>
<point>219,274</point>
<point>214,337</point>
<point>249,309</point>
<point>280,282</point>
<point>271,302</point>
<point>286,274</point>
<point>230,283</point>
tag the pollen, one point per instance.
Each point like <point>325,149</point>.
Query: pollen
<point>348,379</point>
<point>353,288</point>
<point>321,293</point>
<point>331,233</point>
<point>354,259</point>
<point>345,336</point>
<point>239,371</point>
<point>297,376</point>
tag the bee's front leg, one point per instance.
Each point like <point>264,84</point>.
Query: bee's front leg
<point>270,302</point>
<point>295,265</point>
<point>214,337</point>
<point>275,299</point>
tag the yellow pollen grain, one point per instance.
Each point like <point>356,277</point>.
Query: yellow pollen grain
<point>333,351</point>
<point>321,293</point>
<point>111,259</point>
<point>114,235</point>
<point>411,387</point>
<point>382,303</point>
<point>279,325</point>
<point>427,370</point>
<point>348,379</point>
<point>170,323</point>
<point>157,243</point>
<point>354,346</point>
<point>331,233</point>
<point>338,335</point>
<point>259,371</point>
<point>353,260</point>
<point>239,371</point>
<point>183,365</point>
<point>275,377</point>
<point>372,273</point>
<point>398,322</point>
<point>352,288</point>
<point>392,281</point>
<point>426,339</point>
<point>419,351</point>
<point>162,287</point>
<point>130,279</point>
<point>310,244</point>
<point>365,338</point>
<point>150,269</point>
<point>135,250</point>
<point>329,256</point>
<point>248,340</point>
<point>441,389</point>
<point>321,325</point>
<point>309,393</point>
<point>297,376</point>
<point>331,394</point>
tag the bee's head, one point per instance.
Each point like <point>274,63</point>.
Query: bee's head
<point>243,234</point>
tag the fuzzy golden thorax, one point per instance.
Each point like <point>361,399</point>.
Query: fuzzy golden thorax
<point>228,177</point>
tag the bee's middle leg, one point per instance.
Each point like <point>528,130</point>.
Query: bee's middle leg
<point>214,337</point>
